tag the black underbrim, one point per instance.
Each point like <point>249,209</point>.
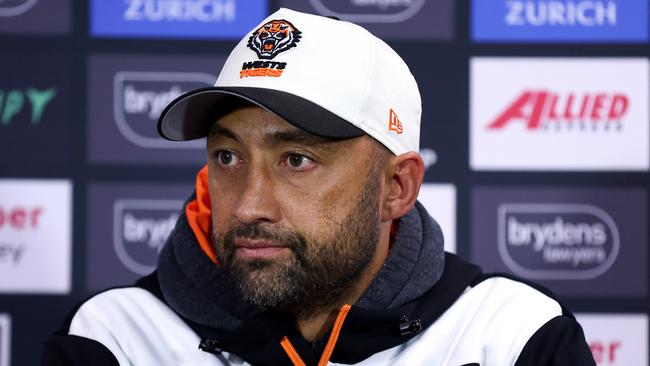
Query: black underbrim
<point>191,115</point>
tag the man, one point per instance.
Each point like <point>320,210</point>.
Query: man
<point>303,243</point>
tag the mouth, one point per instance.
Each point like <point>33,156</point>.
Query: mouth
<point>268,45</point>
<point>249,249</point>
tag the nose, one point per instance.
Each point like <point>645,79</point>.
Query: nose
<point>257,200</point>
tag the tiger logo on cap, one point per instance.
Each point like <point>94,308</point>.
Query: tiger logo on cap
<point>273,37</point>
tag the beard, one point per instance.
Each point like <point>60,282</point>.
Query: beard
<point>321,270</point>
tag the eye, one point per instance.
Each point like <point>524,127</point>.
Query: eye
<point>227,158</point>
<point>299,162</point>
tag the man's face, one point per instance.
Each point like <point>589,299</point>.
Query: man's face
<point>295,217</point>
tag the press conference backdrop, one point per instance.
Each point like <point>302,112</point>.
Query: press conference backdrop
<point>534,132</point>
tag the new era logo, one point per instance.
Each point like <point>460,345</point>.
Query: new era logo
<point>393,122</point>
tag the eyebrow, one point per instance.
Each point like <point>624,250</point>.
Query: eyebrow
<point>223,132</point>
<point>278,137</point>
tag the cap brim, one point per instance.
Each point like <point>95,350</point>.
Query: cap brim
<point>191,115</point>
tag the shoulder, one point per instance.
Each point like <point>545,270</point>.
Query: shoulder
<point>497,316</point>
<point>512,299</point>
<point>542,331</point>
<point>501,320</point>
<point>128,325</point>
<point>469,292</point>
<point>95,330</point>
<point>125,310</point>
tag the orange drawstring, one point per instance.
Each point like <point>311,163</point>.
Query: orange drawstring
<point>329,347</point>
<point>334,336</point>
<point>291,352</point>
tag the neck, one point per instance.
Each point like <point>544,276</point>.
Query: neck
<point>316,324</point>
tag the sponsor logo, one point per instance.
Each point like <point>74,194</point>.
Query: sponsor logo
<point>394,123</point>
<point>370,11</point>
<point>32,100</point>
<point>17,219</point>
<point>140,228</point>
<point>180,10</point>
<point>140,97</point>
<point>267,41</point>
<point>558,114</point>
<point>605,352</point>
<point>616,339</point>
<point>557,241</point>
<point>561,13</point>
<point>566,20</point>
<point>137,88</point>
<point>262,68</point>
<point>176,18</point>
<point>440,202</point>
<point>273,37</point>
<point>5,339</point>
<point>35,242</point>
<point>11,8</point>
<point>543,109</point>
<point>571,240</point>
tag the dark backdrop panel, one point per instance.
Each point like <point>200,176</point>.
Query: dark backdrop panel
<point>79,98</point>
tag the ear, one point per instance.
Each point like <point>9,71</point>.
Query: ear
<point>405,175</point>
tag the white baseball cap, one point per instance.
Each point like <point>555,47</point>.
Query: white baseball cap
<point>328,77</point>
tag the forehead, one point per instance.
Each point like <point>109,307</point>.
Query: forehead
<point>253,124</point>
<point>251,117</point>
